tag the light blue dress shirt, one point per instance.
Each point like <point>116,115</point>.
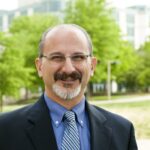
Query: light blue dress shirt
<point>57,111</point>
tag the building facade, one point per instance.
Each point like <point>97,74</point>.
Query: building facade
<point>29,7</point>
<point>23,3</point>
<point>134,23</point>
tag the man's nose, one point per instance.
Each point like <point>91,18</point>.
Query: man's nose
<point>68,66</point>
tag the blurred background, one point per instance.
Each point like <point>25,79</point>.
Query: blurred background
<point>120,32</point>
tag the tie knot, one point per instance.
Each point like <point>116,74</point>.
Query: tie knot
<point>69,116</point>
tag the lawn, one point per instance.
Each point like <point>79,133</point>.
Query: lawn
<point>115,97</point>
<point>12,107</point>
<point>137,112</point>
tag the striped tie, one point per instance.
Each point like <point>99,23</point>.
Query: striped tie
<point>70,139</point>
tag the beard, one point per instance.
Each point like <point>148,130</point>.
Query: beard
<point>65,93</point>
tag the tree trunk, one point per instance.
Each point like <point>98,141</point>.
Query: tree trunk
<point>89,92</point>
<point>1,103</point>
<point>26,94</point>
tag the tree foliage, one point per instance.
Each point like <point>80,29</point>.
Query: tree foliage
<point>96,18</point>
<point>143,78</point>
<point>127,60</point>
<point>20,46</point>
<point>13,74</point>
<point>137,76</point>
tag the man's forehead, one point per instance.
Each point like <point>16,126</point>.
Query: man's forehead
<point>65,30</point>
<point>69,35</point>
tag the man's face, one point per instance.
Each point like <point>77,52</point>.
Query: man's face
<point>66,66</point>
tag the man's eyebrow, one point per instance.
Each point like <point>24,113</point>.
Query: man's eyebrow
<point>59,53</point>
<point>78,53</point>
<point>56,53</point>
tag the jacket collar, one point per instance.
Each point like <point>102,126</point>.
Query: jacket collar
<point>39,128</point>
<point>100,132</point>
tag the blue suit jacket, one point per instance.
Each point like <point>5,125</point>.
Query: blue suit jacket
<point>30,128</point>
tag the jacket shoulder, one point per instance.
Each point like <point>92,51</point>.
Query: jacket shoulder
<point>14,116</point>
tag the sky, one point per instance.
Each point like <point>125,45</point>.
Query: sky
<point>8,4</point>
<point>12,4</point>
<point>126,3</point>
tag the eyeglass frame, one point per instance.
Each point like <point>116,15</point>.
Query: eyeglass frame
<point>63,58</point>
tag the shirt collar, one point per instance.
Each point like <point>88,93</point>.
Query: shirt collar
<point>57,116</point>
<point>79,110</point>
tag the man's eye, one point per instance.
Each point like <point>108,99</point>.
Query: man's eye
<point>57,58</point>
<point>78,57</point>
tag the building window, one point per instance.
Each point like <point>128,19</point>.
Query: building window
<point>130,31</point>
<point>10,18</point>
<point>130,19</point>
<point>1,22</point>
<point>23,12</point>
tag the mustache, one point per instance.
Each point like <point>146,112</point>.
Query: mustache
<point>63,76</point>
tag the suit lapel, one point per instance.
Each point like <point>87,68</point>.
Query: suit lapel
<point>39,127</point>
<point>100,131</point>
<point>40,131</point>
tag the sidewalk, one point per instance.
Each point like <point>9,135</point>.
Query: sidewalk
<point>122,100</point>
<point>143,144</point>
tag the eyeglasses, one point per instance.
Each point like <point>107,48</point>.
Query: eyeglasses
<point>59,58</point>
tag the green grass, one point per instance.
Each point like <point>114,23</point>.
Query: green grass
<point>12,107</point>
<point>137,112</point>
<point>114,97</point>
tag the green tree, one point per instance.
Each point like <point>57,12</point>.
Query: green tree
<point>144,66</point>
<point>135,73</point>
<point>98,21</point>
<point>20,46</point>
<point>128,60</point>
<point>28,30</point>
<point>13,74</point>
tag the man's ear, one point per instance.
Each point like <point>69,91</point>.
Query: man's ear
<point>38,64</point>
<point>93,65</point>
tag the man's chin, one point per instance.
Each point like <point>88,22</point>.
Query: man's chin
<point>66,93</point>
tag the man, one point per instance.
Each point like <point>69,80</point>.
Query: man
<point>65,64</point>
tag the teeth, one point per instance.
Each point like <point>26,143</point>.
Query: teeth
<point>69,79</point>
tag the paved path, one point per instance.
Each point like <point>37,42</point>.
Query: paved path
<point>122,100</point>
<point>143,144</point>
